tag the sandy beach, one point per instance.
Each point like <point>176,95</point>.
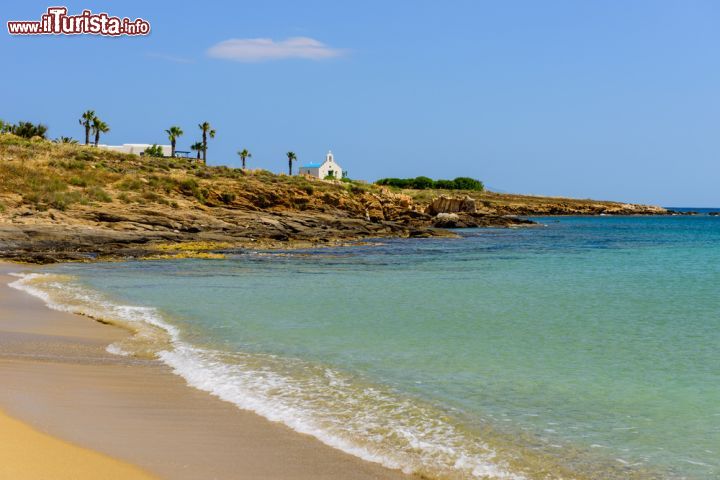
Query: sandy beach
<point>89,414</point>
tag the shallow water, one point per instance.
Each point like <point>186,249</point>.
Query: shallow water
<point>584,349</point>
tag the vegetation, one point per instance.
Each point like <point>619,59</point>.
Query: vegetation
<point>66,140</point>
<point>424,183</point>
<point>198,147</point>
<point>47,175</point>
<point>24,129</point>
<point>174,133</point>
<point>206,130</point>
<point>98,127</point>
<point>154,151</point>
<point>291,158</point>
<point>86,120</point>
<point>244,154</point>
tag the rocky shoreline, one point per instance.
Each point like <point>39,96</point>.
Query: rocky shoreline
<point>91,234</point>
<point>50,237</point>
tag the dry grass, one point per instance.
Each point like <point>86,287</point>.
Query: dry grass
<point>48,175</point>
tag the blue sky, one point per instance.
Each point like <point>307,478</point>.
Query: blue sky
<point>603,99</point>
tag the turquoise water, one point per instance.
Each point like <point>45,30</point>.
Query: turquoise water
<point>587,348</point>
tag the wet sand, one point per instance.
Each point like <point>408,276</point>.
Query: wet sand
<point>58,379</point>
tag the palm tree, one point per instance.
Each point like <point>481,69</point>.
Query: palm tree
<point>206,130</point>
<point>173,133</point>
<point>98,127</point>
<point>198,146</point>
<point>243,155</point>
<point>291,158</point>
<point>69,140</point>
<point>86,121</point>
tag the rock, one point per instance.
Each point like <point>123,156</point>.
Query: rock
<point>447,220</point>
<point>444,204</point>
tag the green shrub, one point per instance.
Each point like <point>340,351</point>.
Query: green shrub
<point>227,197</point>
<point>466,183</point>
<point>29,130</point>
<point>422,183</point>
<point>154,151</point>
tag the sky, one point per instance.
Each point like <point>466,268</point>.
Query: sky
<point>606,99</point>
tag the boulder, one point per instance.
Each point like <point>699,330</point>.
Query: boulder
<point>445,204</point>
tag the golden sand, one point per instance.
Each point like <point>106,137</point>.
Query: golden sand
<point>29,455</point>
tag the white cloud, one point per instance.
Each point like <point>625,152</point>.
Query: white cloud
<point>259,49</point>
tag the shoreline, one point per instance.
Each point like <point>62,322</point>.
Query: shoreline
<point>63,250</point>
<point>58,379</point>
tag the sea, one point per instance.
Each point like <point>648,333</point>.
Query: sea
<point>584,347</point>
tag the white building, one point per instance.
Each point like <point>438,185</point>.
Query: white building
<point>328,168</point>
<point>136,148</point>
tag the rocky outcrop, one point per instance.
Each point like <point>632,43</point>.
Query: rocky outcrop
<point>87,233</point>
<point>477,220</point>
<point>528,205</point>
<point>445,204</point>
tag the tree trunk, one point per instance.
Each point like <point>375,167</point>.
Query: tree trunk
<point>290,167</point>
<point>97,138</point>
<point>205,146</point>
<point>172,149</point>
<point>87,135</point>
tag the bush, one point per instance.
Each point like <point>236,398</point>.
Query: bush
<point>29,130</point>
<point>154,151</point>
<point>466,183</point>
<point>227,197</point>
<point>422,183</point>
<point>188,186</point>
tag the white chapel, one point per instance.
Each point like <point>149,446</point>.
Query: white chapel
<point>328,168</point>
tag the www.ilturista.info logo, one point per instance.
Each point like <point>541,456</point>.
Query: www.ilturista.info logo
<point>57,22</point>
